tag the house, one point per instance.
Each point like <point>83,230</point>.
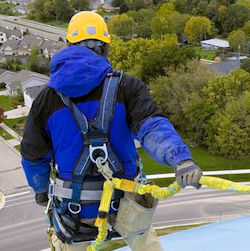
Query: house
<point>2,57</point>
<point>214,44</point>
<point>14,34</point>
<point>2,71</point>
<point>3,36</point>
<point>6,75</point>
<point>10,47</point>
<point>32,87</point>
<point>30,93</point>
<point>28,42</point>
<point>7,34</point>
<point>226,66</point>
<point>49,48</point>
<point>21,8</point>
<point>20,81</point>
<point>35,79</point>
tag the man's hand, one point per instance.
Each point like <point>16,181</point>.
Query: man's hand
<point>188,174</point>
<point>42,199</point>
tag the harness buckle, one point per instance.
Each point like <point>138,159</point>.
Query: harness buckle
<point>74,208</point>
<point>103,148</point>
<point>51,191</point>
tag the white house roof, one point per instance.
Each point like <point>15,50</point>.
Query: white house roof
<point>216,42</point>
<point>6,76</point>
<point>15,81</point>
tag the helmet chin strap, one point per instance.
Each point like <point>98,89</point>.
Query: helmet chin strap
<point>97,46</point>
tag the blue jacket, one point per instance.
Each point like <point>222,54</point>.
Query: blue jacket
<point>51,131</point>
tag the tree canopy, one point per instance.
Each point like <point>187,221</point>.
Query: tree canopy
<point>197,29</point>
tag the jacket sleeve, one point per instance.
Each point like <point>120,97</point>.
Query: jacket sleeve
<point>155,132</point>
<point>36,152</point>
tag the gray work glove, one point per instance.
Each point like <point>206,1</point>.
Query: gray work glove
<point>42,199</point>
<point>187,173</point>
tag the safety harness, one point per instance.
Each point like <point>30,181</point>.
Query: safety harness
<point>67,198</point>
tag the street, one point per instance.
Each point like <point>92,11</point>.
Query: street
<point>24,220</point>
<point>36,28</point>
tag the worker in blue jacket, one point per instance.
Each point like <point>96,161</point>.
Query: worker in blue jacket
<point>80,81</point>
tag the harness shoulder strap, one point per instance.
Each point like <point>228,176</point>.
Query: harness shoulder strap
<point>107,102</point>
<point>80,118</point>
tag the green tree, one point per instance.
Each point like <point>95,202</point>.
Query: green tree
<point>122,26</point>
<point>197,28</point>
<point>246,29</point>
<point>63,10</point>
<point>230,129</point>
<point>167,20</point>
<point>245,64</point>
<point>35,62</point>
<point>36,10</point>
<point>237,40</point>
<point>117,3</point>
<point>136,4</point>
<point>179,94</point>
<point>143,19</point>
<point>245,3</point>
<point>235,17</point>
<point>180,6</point>
<point>80,4</point>
<point>147,58</point>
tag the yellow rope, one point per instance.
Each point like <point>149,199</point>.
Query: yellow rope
<point>156,192</point>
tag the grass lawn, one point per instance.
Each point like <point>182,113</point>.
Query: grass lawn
<point>4,134</point>
<point>58,24</point>
<point>16,124</point>
<point>204,159</point>
<point>205,54</point>
<point>9,102</point>
<point>18,147</point>
<point>111,245</point>
<point>4,4</point>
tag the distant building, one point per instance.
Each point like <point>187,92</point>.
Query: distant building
<point>49,48</point>
<point>214,44</point>
<point>10,48</point>
<point>7,34</point>
<point>24,79</point>
<point>6,75</point>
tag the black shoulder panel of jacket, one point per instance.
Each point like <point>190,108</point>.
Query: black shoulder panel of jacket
<point>138,102</point>
<point>36,143</point>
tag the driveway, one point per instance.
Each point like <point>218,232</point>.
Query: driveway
<point>21,111</point>
<point>4,93</point>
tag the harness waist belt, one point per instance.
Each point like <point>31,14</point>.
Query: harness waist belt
<point>66,193</point>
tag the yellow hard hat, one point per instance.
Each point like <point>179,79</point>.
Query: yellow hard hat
<point>87,25</point>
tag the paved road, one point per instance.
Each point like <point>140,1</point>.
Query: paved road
<point>43,30</point>
<point>23,219</point>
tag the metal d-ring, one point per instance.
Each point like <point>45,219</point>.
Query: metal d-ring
<point>102,148</point>
<point>77,205</point>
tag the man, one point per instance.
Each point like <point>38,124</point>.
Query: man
<point>90,112</point>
